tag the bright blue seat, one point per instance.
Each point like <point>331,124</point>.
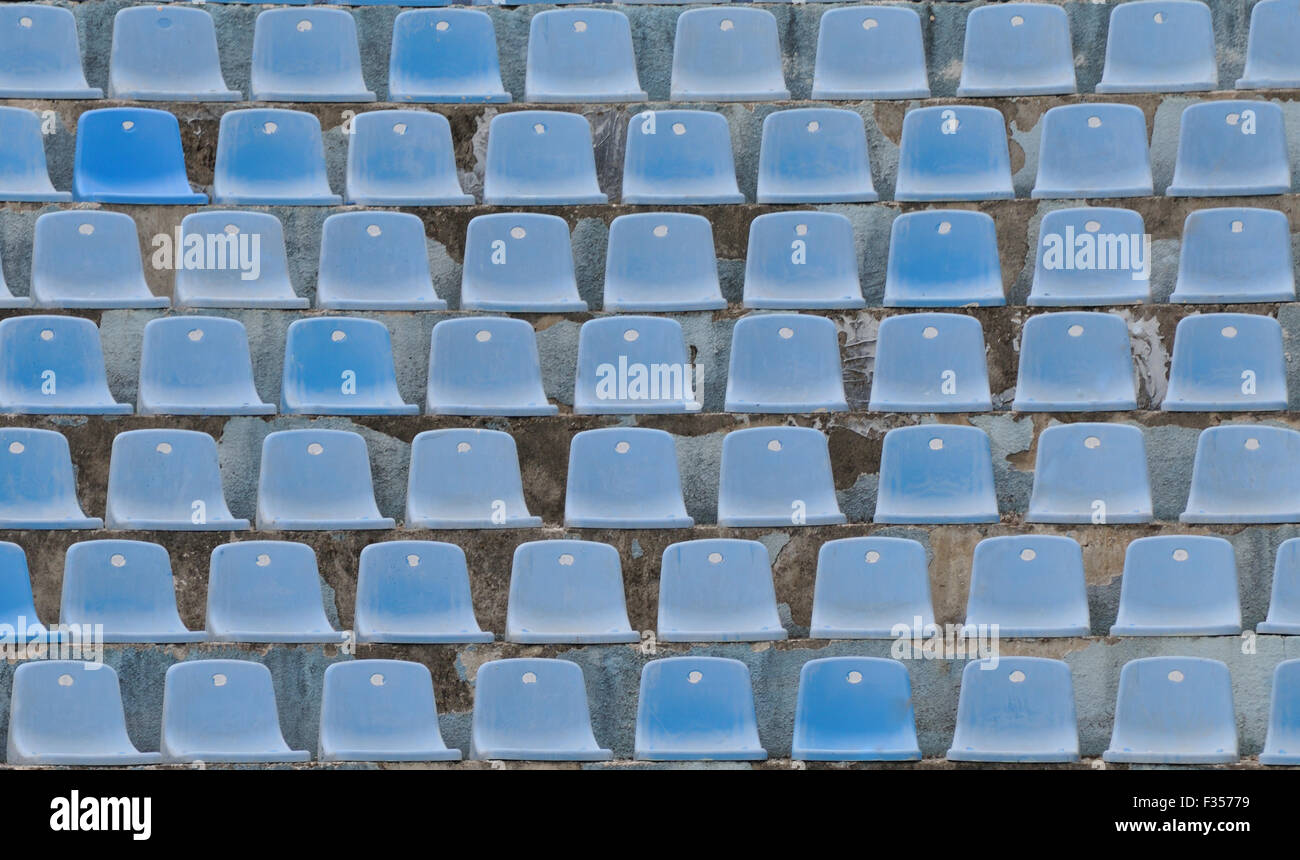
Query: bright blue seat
<point>1028,586</point>
<point>679,157</point>
<point>777,476</point>
<point>1091,256</point>
<point>785,363</point>
<point>375,261</point>
<point>1090,473</point>
<point>308,55</point>
<point>8,299</point>
<point>943,258</point>
<point>317,480</point>
<point>197,365</point>
<point>271,157</point>
<point>340,366</point>
<point>854,709</point>
<point>17,605</point>
<point>125,585</point>
<point>222,711</point>
<point>717,590</point>
<point>727,54</point>
<point>485,366</point>
<point>380,710</point>
<point>633,365</point>
<point>445,56</point>
<point>1075,361</point>
<point>1092,150</point>
<point>40,57</point>
<point>540,158</point>
<point>802,260</point>
<point>661,261</point>
<point>814,155</point>
<point>532,709</point>
<point>1227,362</point>
<point>1018,709</point>
<point>954,153</point>
<point>624,478</point>
<point>53,365</point>
<point>867,586</point>
<point>1017,49</point>
<point>267,591</point>
<point>23,172</point>
<point>415,591</point>
<point>1159,46</point>
<point>38,489</point>
<point>1282,745</point>
<point>870,52</point>
<point>1244,473</point>
<point>1271,60</point>
<point>567,591</point>
<point>466,479</point>
<point>167,480</point>
<point>243,262</point>
<point>936,473</point>
<point>1178,585</point>
<point>1235,255</point>
<point>131,155</point>
<point>697,709</point>
<point>519,262</point>
<point>1174,710</point>
<point>1284,603</point>
<point>1230,149</point>
<point>402,158</point>
<point>83,258</point>
<point>581,56</point>
<point>166,54</point>
<point>930,363</point>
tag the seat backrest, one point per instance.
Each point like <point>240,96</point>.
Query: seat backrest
<point>777,476</point>
<point>936,473</point>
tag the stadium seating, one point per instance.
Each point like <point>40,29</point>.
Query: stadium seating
<point>532,708</point>
<point>1270,59</point>
<point>402,158</point>
<point>777,476</point>
<point>1091,256</point>
<point>1017,49</point>
<point>867,586</point>
<point>239,261</point>
<point>1282,745</point>
<point>953,153</point>
<point>54,365</point>
<point>697,708</point>
<point>167,480</point>
<point>679,157</point>
<point>222,711</point>
<point>854,709</point>
<point>727,54</point>
<point>444,56</point>
<point>126,586</point>
<point>1092,150</point>
<point>266,591</point>
<point>166,54</point>
<point>943,258</point>
<point>415,591</point>
<point>1029,586</point>
<point>800,260</point>
<point>785,363</point>
<point>661,261</point>
<point>581,56</point>
<point>624,478</point>
<point>1174,710</point>
<point>1090,473</point>
<point>929,363</point>
<point>814,155</point>
<point>340,366</point>
<point>999,720</point>
<point>271,157</point>
<point>466,479</point>
<point>40,57</point>
<point>380,710</point>
<point>519,262</point>
<point>1075,361</point>
<point>1244,473</point>
<point>1227,362</point>
<point>197,366</point>
<point>307,55</point>
<point>717,590</point>
<point>1231,149</point>
<point>1284,603</point>
<point>1235,255</point>
<point>870,52</point>
<point>633,365</point>
<point>1178,585</point>
<point>89,259</point>
<point>375,261</point>
<point>540,158</point>
<point>38,489</point>
<point>17,603</point>
<point>23,172</point>
<point>936,474</point>
<point>485,366</point>
<point>298,491</point>
<point>1164,46</point>
<point>568,591</point>
<point>131,155</point>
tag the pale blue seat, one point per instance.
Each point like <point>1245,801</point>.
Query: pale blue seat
<point>814,155</point>
<point>930,362</point>
<point>267,591</point>
<point>131,155</point>
<point>1245,473</point>
<point>244,262</point>
<point>54,365</point>
<point>567,591</point>
<point>197,365</point>
<point>167,480</point>
<point>581,56</point>
<point>222,711</point>
<point>1017,49</point>
<point>271,157</point>
<point>1231,149</point>
<point>1028,586</point>
<point>870,52</point>
<point>465,478</point>
<point>661,261</point>
<point>954,153</point>
<point>1091,256</point>
<point>519,262</point>
<point>624,478</point>
<point>785,363</point>
<point>936,473</point>
<point>697,709</point>
<point>1284,603</point>
<point>17,605</point>
<point>316,480</point>
<point>1092,150</point>
<point>402,158</point>
<point>532,709</point>
<point>166,54</point>
<point>679,157</point>
<point>444,56</point>
<point>1282,745</point>
<point>308,55</point>
<point>40,57</point>
<point>868,586</point>
<point>727,54</point>
<point>777,476</point>
<point>1227,362</point>
<point>38,488</point>
<point>854,709</point>
<point>1017,709</point>
<point>540,158</point>
<point>1174,710</point>
<point>8,299</point>
<point>1090,473</point>
<point>380,710</point>
<point>943,258</point>
<point>1159,46</point>
<point>340,366</point>
<point>414,592</point>
<point>717,590</point>
<point>375,261</point>
<point>1271,59</point>
<point>1235,255</point>
<point>83,258</point>
<point>126,586</point>
<point>1179,585</point>
<point>1075,361</point>
<point>633,365</point>
<point>24,175</point>
<point>485,366</point>
<point>802,260</point>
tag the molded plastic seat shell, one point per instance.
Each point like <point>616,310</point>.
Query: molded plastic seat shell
<point>581,56</point>
<point>929,362</point>
<point>802,260</point>
<point>1090,473</point>
<point>854,709</point>
<point>465,478</point>
<point>1229,149</point>
<point>1029,586</point>
<point>1227,362</point>
<point>717,590</point>
<point>1282,745</point>
<point>1174,710</point>
<point>785,363</point>
<point>1075,266</point>
<point>9,300</point>
<point>445,56</point>
<point>131,155</point>
<point>380,710</point>
<point>727,54</point>
<point>126,586</point>
<point>867,586</point>
<point>532,709</point>
<point>633,365</point>
<point>243,263</point>
<point>540,158</point>
<point>777,476</point>
<point>17,605</point>
<point>271,157</point>
<point>485,366</point>
<point>1092,150</point>
<point>54,365</point>
<point>814,155</point>
<point>85,258</point>
<point>567,591</point>
<point>1235,255</point>
<point>943,258</point>
<point>196,365</point>
<point>519,262</point>
<point>166,54</point>
<point>1245,473</point>
<point>316,480</point>
<point>402,158</point>
<point>375,261</point>
<point>24,175</point>
<point>954,153</point>
<point>1018,709</point>
<point>167,480</point>
<point>870,52</point>
<point>624,478</point>
<point>415,591</point>
<point>1075,361</point>
<point>661,261</point>
<point>697,709</point>
<point>222,711</point>
<point>267,591</point>
<point>1271,60</point>
<point>307,55</point>
<point>1178,585</point>
<point>936,473</point>
<point>1017,49</point>
<point>1159,46</point>
<point>1284,602</point>
<point>40,57</point>
<point>679,157</point>
<point>340,366</point>
<point>38,489</point>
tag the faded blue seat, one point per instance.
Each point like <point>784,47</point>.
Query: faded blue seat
<point>1284,603</point>
<point>23,172</point>
<point>1159,46</point>
<point>854,709</point>
<point>633,365</point>
<point>954,153</point>
<point>519,262</point>
<point>8,299</point>
<point>540,158</point>
<point>717,590</point>
<point>54,365</point>
<point>1244,473</point>
<point>1282,745</point>
<point>1227,362</point>
<point>532,709</point>
<point>1230,149</point>
<point>167,480</point>
<point>125,585</point>
<point>1235,255</point>
<point>1092,150</point>
<point>867,586</point>
<point>485,366</point>
<point>131,155</point>
<point>814,155</point>
<point>1271,60</point>
<point>785,363</point>
<point>930,363</point>
<point>1018,709</point>
<point>1178,585</point>
<point>84,258</point>
<point>1174,710</point>
<point>624,478</point>
<point>661,261</point>
<point>415,591</point>
<point>375,261</point>
<point>17,605</point>
<point>1017,49</point>
<point>243,262</point>
<point>1028,586</point>
<point>402,158</point>
<point>697,709</point>
<point>307,55</point>
<point>465,478</point>
<point>1075,361</point>
<point>271,157</point>
<point>679,157</point>
<point>197,365</point>
<point>802,260</point>
<point>1091,256</point>
<point>777,476</point>
<point>581,56</point>
<point>943,258</point>
<point>567,591</point>
<point>444,56</point>
<point>316,480</point>
<point>870,52</point>
<point>340,366</point>
<point>38,489</point>
<point>166,54</point>
<point>727,54</point>
<point>267,591</point>
<point>40,57</point>
<point>380,710</point>
<point>222,711</point>
<point>1090,473</point>
<point>936,473</point>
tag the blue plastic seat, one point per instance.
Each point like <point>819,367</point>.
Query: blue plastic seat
<point>1284,603</point>
<point>40,57</point>
<point>1091,256</point>
<point>777,476</point>
<point>197,365</point>
<point>697,709</point>
<point>936,473</point>
<point>567,591</point>
<point>380,710</point>
<point>85,258</point>
<point>930,363</point>
<point>1090,473</point>
<point>1271,61</point>
<point>785,363</point>
<point>581,56</point>
<point>267,591</point>
<point>1018,709</point>
<point>870,52</point>
<point>485,366</point>
<point>802,260</point>
<point>222,711</point>
<point>1231,149</point>
<point>661,261</point>
<point>23,172</point>
<point>532,709</point>
<point>66,712</point>
<point>445,56</point>
<point>166,54</point>
<point>242,262</point>
<point>125,585</point>
<point>466,479</point>
<point>1235,255</point>
<point>1017,49</point>
<point>402,158</point>
<point>868,586</point>
<point>717,590</point>
<point>679,157</point>
<point>1028,586</point>
<point>167,480</point>
<point>814,155</point>
<point>727,54</point>
<point>1174,710</point>
<point>53,365</point>
<point>316,480</point>
<point>38,489</point>
<point>271,157</point>
<point>1178,585</point>
<point>1227,362</point>
<point>1244,473</point>
<point>943,258</point>
<point>1092,150</point>
<point>17,605</point>
<point>954,153</point>
<point>1159,46</point>
<point>1282,745</point>
<point>519,262</point>
<point>854,709</point>
<point>340,366</point>
<point>131,155</point>
<point>624,478</point>
<point>1075,361</point>
<point>413,592</point>
<point>375,261</point>
<point>8,299</point>
<point>540,158</point>
<point>307,55</point>
<point>633,365</point>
